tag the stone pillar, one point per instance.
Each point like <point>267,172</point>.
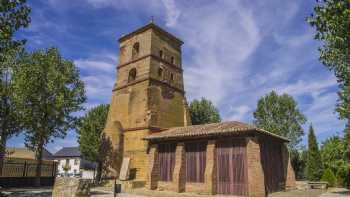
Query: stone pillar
<point>210,169</point>
<point>288,169</point>
<point>256,181</point>
<point>153,176</point>
<point>70,186</point>
<point>179,174</point>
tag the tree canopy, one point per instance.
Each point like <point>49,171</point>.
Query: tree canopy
<point>279,114</point>
<point>90,135</point>
<point>203,111</point>
<point>10,123</point>
<point>331,19</point>
<point>48,91</point>
<point>14,14</point>
<point>332,152</point>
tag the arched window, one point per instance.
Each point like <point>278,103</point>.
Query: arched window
<point>172,60</point>
<point>160,72</point>
<point>135,50</point>
<point>161,54</point>
<point>171,77</point>
<point>132,75</point>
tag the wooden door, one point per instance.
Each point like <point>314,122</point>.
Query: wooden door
<point>231,167</point>
<point>272,163</point>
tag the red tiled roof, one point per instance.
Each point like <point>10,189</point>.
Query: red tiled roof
<point>214,129</point>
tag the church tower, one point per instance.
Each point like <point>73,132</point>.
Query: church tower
<point>148,96</point>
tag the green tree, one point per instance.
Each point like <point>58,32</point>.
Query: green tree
<point>346,143</point>
<point>298,160</point>
<point>9,121</point>
<point>14,14</point>
<point>314,162</point>
<point>343,175</point>
<point>331,19</point>
<point>48,91</point>
<point>332,153</point>
<point>90,136</point>
<point>279,114</point>
<point>203,111</point>
<point>329,176</point>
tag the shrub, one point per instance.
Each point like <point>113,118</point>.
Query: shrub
<point>329,176</point>
<point>343,175</point>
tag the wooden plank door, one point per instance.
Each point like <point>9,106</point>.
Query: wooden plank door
<point>272,163</point>
<point>231,167</point>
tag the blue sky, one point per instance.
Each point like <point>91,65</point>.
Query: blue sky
<point>235,51</point>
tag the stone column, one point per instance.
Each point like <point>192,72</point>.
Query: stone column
<point>153,175</point>
<point>256,181</point>
<point>210,169</point>
<point>288,169</point>
<point>179,174</point>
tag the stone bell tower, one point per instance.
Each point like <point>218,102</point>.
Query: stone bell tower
<point>148,96</point>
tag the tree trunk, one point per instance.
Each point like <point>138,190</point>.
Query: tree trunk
<point>98,172</point>
<point>39,154</point>
<point>2,152</point>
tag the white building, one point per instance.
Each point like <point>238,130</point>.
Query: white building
<point>71,163</point>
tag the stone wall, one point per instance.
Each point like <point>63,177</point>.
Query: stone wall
<point>210,170</point>
<point>255,173</point>
<point>256,182</point>
<point>148,102</point>
<point>288,169</point>
<point>71,187</point>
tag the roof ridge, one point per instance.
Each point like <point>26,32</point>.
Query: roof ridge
<point>207,124</point>
<point>221,128</point>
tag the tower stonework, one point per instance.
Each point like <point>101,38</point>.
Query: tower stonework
<point>148,96</point>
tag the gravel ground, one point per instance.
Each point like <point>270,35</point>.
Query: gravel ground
<point>105,192</point>
<point>336,192</point>
<point>47,192</point>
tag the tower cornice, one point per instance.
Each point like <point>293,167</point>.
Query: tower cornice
<point>153,56</point>
<point>149,79</point>
<point>151,26</point>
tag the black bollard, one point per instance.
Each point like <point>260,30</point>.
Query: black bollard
<point>117,188</point>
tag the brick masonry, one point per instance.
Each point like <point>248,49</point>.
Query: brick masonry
<point>153,176</point>
<point>210,170</point>
<point>255,173</point>
<point>256,183</point>
<point>179,175</point>
<point>288,169</point>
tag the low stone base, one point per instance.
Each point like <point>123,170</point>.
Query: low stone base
<point>129,185</point>
<point>71,187</point>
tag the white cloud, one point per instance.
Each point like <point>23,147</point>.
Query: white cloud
<point>220,46</point>
<point>98,74</point>
<point>308,87</point>
<point>238,113</point>
<point>87,64</point>
<point>172,11</point>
